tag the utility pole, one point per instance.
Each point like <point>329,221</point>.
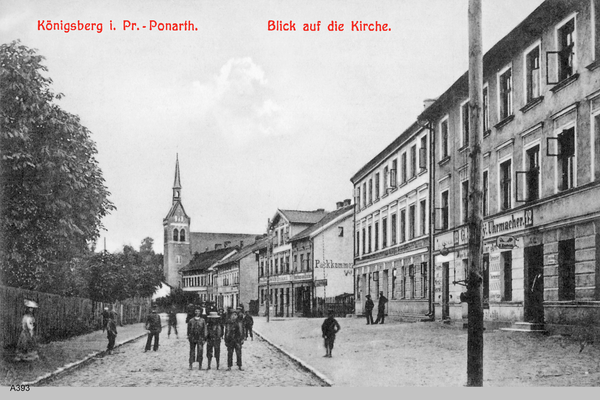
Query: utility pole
<point>474,279</point>
<point>269,243</point>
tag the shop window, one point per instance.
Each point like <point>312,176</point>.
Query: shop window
<point>506,259</point>
<point>566,269</point>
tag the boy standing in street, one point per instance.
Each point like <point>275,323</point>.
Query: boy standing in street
<point>234,338</point>
<point>213,340</point>
<point>153,326</point>
<point>248,324</point>
<point>329,328</point>
<point>172,323</point>
<point>196,332</point>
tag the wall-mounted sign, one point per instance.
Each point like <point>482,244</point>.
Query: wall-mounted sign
<point>506,242</point>
<point>320,282</point>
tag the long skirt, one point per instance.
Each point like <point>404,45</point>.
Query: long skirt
<point>26,347</point>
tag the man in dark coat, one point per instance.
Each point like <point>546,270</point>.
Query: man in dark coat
<point>172,322</point>
<point>105,316</point>
<point>234,338</point>
<point>111,331</point>
<point>190,312</point>
<point>381,308</point>
<point>196,333</point>
<point>154,327</point>
<point>213,340</point>
<point>248,324</point>
<point>369,306</point>
<point>329,328</point>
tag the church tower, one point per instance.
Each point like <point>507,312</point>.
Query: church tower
<point>176,226</point>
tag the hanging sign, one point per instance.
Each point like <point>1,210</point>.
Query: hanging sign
<point>506,242</point>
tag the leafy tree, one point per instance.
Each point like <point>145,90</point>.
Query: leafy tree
<point>52,192</point>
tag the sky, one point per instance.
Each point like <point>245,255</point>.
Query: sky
<point>260,119</point>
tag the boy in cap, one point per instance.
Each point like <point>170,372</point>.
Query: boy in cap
<point>154,327</point>
<point>196,333</point>
<point>234,338</point>
<point>329,328</point>
<point>213,339</point>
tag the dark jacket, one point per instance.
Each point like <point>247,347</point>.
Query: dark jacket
<point>111,327</point>
<point>196,330</point>
<point>382,301</point>
<point>153,323</point>
<point>234,333</point>
<point>330,327</point>
<point>248,321</point>
<point>215,331</point>
<point>369,305</point>
<point>172,318</point>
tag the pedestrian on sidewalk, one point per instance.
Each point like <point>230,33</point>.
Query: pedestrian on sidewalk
<point>369,306</point>
<point>111,331</point>
<point>172,322</point>
<point>213,341</point>
<point>105,316</point>
<point>329,328</point>
<point>154,327</point>
<point>234,338</point>
<point>196,333</point>
<point>27,349</point>
<point>248,324</point>
<point>381,308</point>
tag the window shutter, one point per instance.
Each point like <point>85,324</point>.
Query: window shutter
<point>552,69</point>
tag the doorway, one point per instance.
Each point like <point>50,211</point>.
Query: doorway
<point>446,290</point>
<point>534,284</point>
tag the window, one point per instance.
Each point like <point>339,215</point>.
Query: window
<point>423,153</point>
<point>444,138</point>
<point>384,233</point>
<point>364,241</point>
<point>505,185</point>
<point>262,268</point>
<point>404,168</point>
<point>296,259</point>
<point>370,191</point>
<point>369,233</point>
<point>276,266</point>
<point>464,193</point>
<point>402,226</point>
<point>340,231</point>
<point>394,174</point>
<point>175,235</point>
<point>566,159</point>
<point>423,225</point>
<point>413,161</point>
<point>182,235</point>
<point>287,264</point>
<point>505,93</point>
<point>301,262</point>
<point>506,259</point>
<point>377,186</point>
<point>178,259</point>
<point>385,179</point>
<point>403,282</point>
<point>485,194</point>
<point>411,276</point>
<point>444,209</point>
<point>364,191</point>
<point>394,229</point>
<point>566,50</point>
<point>464,113</point>
<point>424,279</point>
<point>566,269</point>
<point>411,221</point>
<point>394,284</point>
<point>357,249</point>
<point>308,266</point>
<point>532,159</point>
<point>376,244</point>
<point>486,109</point>
<point>532,74</point>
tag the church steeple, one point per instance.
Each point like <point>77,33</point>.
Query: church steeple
<point>177,183</point>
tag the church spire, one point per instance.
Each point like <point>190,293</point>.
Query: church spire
<point>177,183</point>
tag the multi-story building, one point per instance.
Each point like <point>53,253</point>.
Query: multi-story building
<point>327,245</point>
<point>541,164</point>
<point>236,278</point>
<point>181,244</point>
<point>197,275</point>
<point>391,228</point>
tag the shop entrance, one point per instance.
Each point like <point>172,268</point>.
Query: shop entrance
<point>534,287</point>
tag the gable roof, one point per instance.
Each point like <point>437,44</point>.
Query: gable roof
<point>174,209</point>
<point>332,216</point>
<point>243,252</point>
<point>202,261</point>
<point>303,217</point>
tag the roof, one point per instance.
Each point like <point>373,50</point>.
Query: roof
<point>303,217</point>
<point>202,261</point>
<point>174,209</point>
<point>243,252</point>
<point>391,148</point>
<point>332,216</point>
<point>177,183</point>
<point>528,31</point>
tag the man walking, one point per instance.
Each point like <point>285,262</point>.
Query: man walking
<point>369,306</point>
<point>329,328</point>
<point>111,331</point>
<point>213,341</point>
<point>234,338</point>
<point>196,333</point>
<point>154,327</point>
<point>172,322</point>
<point>105,316</point>
<point>381,308</point>
<point>248,324</point>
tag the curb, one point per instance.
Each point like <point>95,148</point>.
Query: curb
<point>77,364</point>
<point>304,365</point>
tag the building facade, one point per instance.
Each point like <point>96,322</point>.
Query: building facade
<point>197,276</point>
<point>180,244</point>
<point>391,226</point>
<point>541,164</point>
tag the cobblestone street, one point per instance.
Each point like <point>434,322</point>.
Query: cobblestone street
<point>131,366</point>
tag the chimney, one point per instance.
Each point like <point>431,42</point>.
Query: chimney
<point>347,202</point>
<point>339,204</point>
<point>320,210</point>
<point>428,102</point>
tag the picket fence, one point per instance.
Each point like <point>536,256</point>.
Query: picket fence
<point>60,317</point>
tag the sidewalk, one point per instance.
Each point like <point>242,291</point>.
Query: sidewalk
<point>431,354</point>
<point>57,357</point>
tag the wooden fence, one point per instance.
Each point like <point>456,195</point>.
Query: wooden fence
<point>61,317</point>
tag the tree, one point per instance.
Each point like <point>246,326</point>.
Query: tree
<point>52,192</point>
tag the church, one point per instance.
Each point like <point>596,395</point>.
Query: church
<point>181,244</point>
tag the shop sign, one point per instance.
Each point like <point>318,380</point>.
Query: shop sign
<point>508,223</point>
<point>445,240</point>
<point>506,242</point>
<point>320,282</point>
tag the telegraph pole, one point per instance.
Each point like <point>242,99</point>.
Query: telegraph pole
<point>474,279</point>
